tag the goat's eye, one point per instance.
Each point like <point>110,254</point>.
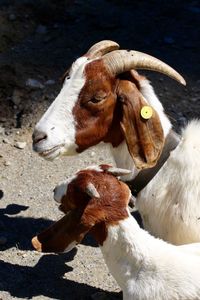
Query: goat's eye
<point>98,97</point>
<point>95,100</point>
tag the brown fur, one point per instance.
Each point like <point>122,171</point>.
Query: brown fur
<point>88,214</point>
<point>108,109</point>
<point>144,138</point>
<point>94,110</point>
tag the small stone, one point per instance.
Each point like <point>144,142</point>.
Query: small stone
<point>2,130</point>
<point>2,120</point>
<point>34,83</point>
<point>3,240</point>
<point>6,141</point>
<point>50,82</point>
<point>92,154</point>
<point>20,145</point>
<point>17,96</point>
<point>7,163</point>
<point>12,17</point>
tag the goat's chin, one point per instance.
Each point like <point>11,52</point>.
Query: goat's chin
<point>56,152</point>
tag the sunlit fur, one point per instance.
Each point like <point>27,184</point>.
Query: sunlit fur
<point>58,122</point>
<point>147,268</point>
<point>170,204</point>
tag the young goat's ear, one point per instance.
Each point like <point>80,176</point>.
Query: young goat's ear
<point>63,235</point>
<point>66,233</point>
<point>140,125</point>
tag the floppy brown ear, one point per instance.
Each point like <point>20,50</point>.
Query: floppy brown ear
<point>144,137</point>
<point>66,233</point>
<point>63,235</point>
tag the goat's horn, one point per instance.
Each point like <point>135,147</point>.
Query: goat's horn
<point>101,48</point>
<point>92,191</point>
<point>120,61</point>
<point>118,171</point>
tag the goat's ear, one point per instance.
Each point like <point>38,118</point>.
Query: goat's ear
<point>143,134</point>
<point>63,235</point>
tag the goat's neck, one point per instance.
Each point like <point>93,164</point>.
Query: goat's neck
<point>125,250</point>
<point>120,153</point>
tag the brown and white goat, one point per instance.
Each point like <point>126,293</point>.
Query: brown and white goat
<point>101,100</point>
<point>145,268</point>
<point>104,99</point>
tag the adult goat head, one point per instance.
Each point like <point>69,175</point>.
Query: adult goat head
<point>101,101</point>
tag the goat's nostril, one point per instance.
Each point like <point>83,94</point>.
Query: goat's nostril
<point>38,136</point>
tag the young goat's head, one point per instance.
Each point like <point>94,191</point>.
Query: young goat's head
<point>101,101</point>
<point>92,200</point>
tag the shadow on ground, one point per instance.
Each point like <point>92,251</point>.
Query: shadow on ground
<point>20,230</point>
<point>45,279</point>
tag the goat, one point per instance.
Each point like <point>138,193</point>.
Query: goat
<point>104,99</point>
<point>146,268</point>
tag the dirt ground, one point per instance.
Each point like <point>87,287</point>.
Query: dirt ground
<point>38,41</point>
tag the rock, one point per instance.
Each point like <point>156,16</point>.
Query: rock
<point>50,82</point>
<point>7,163</point>
<point>20,145</point>
<point>2,120</point>
<point>2,130</point>
<point>34,83</point>
<point>12,17</point>
<point>6,141</point>
<point>3,240</point>
<point>92,154</point>
<point>17,96</point>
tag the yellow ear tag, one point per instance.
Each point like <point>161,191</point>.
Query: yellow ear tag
<point>146,112</point>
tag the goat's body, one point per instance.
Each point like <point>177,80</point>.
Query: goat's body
<point>147,268</point>
<point>170,204</point>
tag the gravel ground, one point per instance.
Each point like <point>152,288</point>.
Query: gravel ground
<point>38,40</point>
<point>27,206</point>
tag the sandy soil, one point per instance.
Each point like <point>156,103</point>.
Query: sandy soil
<point>38,40</point>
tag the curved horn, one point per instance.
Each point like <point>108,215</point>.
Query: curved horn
<point>92,191</point>
<point>120,61</point>
<point>101,48</point>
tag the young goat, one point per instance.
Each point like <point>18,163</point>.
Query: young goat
<point>145,268</point>
<point>104,99</point>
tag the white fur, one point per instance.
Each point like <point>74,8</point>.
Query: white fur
<point>147,268</point>
<point>61,189</point>
<point>170,203</point>
<point>58,122</point>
